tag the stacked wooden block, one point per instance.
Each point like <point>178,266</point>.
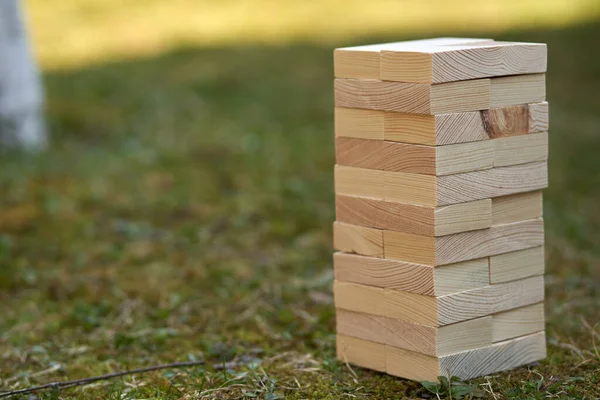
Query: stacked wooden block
<point>441,149</point>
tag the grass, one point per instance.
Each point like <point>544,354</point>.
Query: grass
<point>184,212</point>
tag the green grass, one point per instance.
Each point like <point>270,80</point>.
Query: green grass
<point>184,212</point>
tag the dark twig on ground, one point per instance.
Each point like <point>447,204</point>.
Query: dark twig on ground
<point>87,381</point>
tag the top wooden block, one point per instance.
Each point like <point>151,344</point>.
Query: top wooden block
<point>440,60</point>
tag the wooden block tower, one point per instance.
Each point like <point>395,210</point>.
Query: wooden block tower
<point>441,156</point>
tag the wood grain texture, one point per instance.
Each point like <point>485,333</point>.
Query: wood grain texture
<point>379,272</point>
<point>463,246</point>
<point>410,188</point>
<point>506,121</point>
<point>415,98</point>
<point>357,239</point>
<point>429,190</point>
<point>385,302</point>
<point>389,331</point>
<point>418,159</point>
<point>468,364</point>
<point>419,220</point>
<point>464,157</point>
<point>488,300</point>
<point>360,352</point>
<point>359,182</point>
<point>422,339</point>
<point>364,61</point>
<point>518,322</point>
<point>520,149</point>
<point>497,357</point>
<point>538,117</point>
<point>517,89</point>
<point>517,207</point>
<point>409,277</point>
<point>387,156</point>
<point>438,311</point>
<point>517,265</point>
<point>495,182</point>
<point>357,123</point>
<point>458,277</point>
<point>441,129</point>
<point>449,63</point>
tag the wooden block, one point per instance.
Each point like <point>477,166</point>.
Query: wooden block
<point>463,246</point>
<point>408,277</point>
<point>357,123</point>
<point>518,322</point>
<point>520,149</point>
<point>538,117</point>
<point>495,358</point>
<point>517,265</point>
<point>364,61</point>
<point>506,121</point>
<point>458,277</point>
<point>449,63</point>
<point>464,157</point>
<point>429,190</point>
<point>414,158</point>
<point>488,300</point>
<point>434,130</point>
<point>420,220</point>
<point>357,239</point>
<point>468,364</point>
<point>441,129</point>
<point>386,302</point>
<point>438,311</point>
<point>388,156</point>
<point>517,207</point>
<point>361,352</point>
<point>359,182</point>
<point>422,339</point>
<point>495,182</point>
<point>517,89</point>
<point>415,98</point>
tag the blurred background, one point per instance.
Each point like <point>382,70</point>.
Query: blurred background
<point>184,208</point>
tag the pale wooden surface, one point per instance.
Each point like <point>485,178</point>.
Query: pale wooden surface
<point>429,190</point>
<point>419,220</point>
<point>357,123</point>
<point>490,299</point>
<point>389,156</point>
<point>517,265</point>
<point>361,352</point>
<point>469,364</point>
<point>414,158</point>
<point>419,338</point>
<point>466,275</point>
<point>517,207</point>
<point>463,246</point>
<point>438,311</point>
<point>448,63</point>
<point>357,239</point>
<point>364,61</point>
<point>520,149</point>
<point>495,182</point>
<point>441,129</point>
<point>497,357</point>
<point>464,157</point>
<point>538,117</point>
<point>415,98</point>
<point>409,277</point>
<point>519,322</point>
<point>517,89</point>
